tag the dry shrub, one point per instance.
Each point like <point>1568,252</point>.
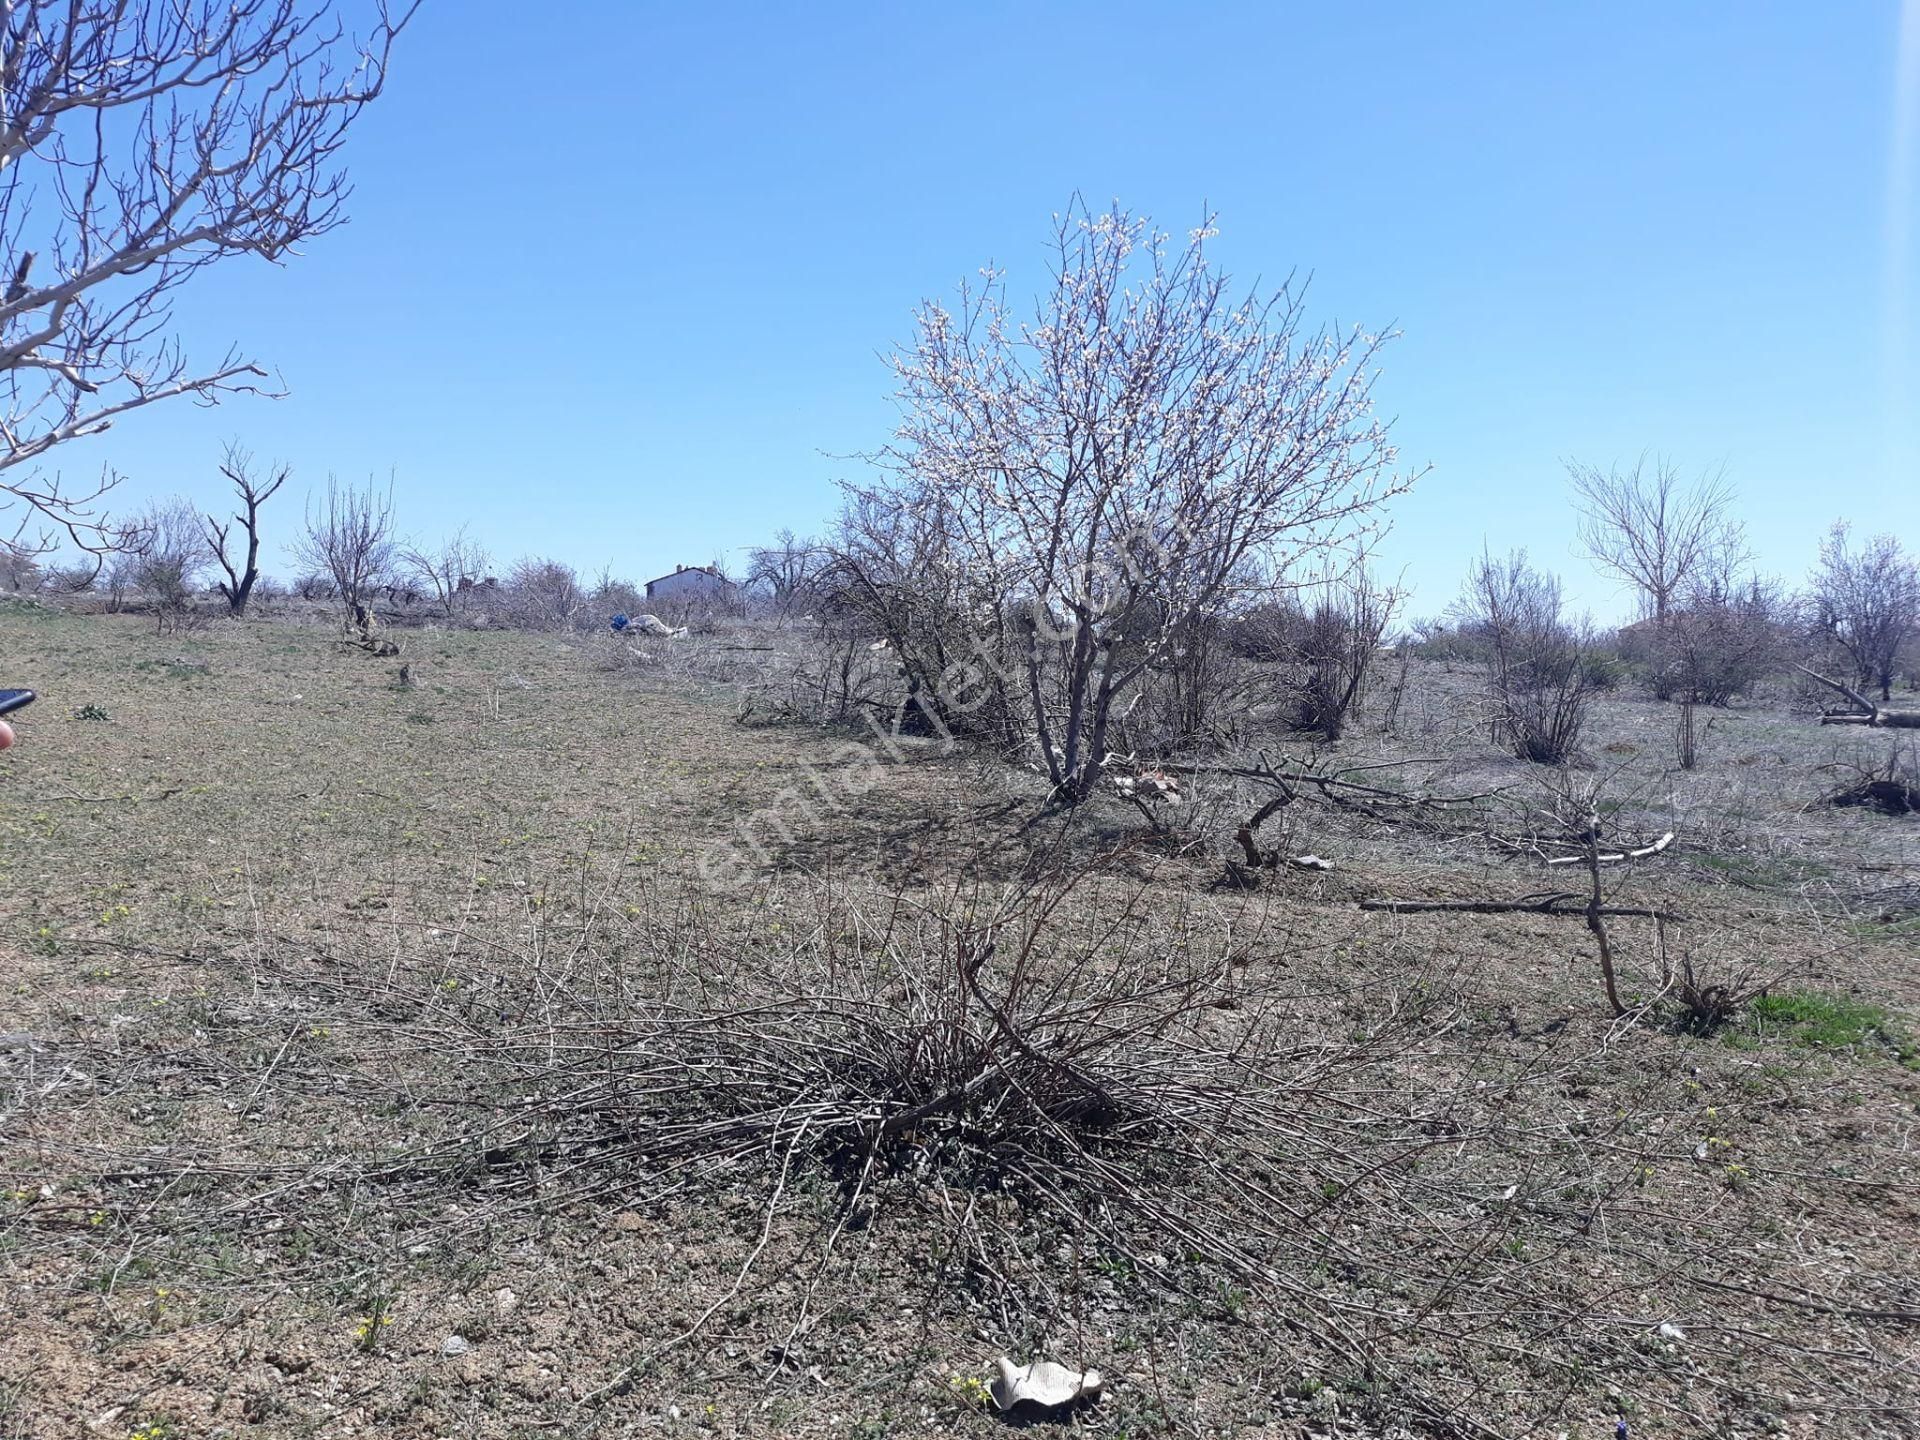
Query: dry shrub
<point>1321,645</point>
<point>1015,1066</point>
<point>1707,1006</point>
<point>1718,645</point>
<point>1538,679</point>
<point>542,595</point>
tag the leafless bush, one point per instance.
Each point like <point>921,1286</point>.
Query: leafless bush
<point>542,595</point>
<point>1720,639</point>
<point>1866,603</point>
<point>613,596</point>
<point>1705,1007</point>
<point>447,571</point>
<point>1023,1060</point>
<point>1187,701</point>
<point>349,540</point>
<point>1537,679</point>
<point>1330,648</point>
<point>170,555</point>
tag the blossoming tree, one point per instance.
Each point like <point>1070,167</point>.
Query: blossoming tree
<point>1138,454</point>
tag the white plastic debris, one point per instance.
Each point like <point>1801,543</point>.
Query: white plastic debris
<point>454,1345</point>
<point>1671,1331</point>
<point>1043,1384</point>
<point>654,625</point>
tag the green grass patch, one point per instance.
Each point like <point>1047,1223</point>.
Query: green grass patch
<point>1830,1022</point>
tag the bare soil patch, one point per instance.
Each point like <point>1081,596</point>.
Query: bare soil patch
<point>352,1076</point>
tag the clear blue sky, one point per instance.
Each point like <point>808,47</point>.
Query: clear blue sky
<point>619,274</point>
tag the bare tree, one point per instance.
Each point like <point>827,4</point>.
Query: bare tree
<point>170,554</point>
<point>143,141</point>
<point>349,539</point>
<point>1655,533</point>
<point>1867,602</point>
<point>1107,471</point>
<point>254,489</point>
<point>785,569</point>
<point>447,571</point>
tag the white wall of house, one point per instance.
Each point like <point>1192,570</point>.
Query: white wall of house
<point>689,583</point>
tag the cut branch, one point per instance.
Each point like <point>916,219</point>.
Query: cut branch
<point>1617,856</point>
<point>1561,903</point>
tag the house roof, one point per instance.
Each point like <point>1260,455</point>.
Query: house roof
<point>706,570</point>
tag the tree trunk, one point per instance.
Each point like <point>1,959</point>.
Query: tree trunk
<point>1595,909</point>
<point>1868,713</point>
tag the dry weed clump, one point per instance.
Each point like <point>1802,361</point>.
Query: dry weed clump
<point>1032,1042</point>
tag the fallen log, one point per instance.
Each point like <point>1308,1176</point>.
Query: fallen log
<point>1865,712</point>
<point>1880,719</point>
<point>1563,903</point>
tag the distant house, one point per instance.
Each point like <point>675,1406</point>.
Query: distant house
<point>691,585</point>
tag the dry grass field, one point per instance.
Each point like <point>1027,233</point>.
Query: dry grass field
<point>410,1062</point>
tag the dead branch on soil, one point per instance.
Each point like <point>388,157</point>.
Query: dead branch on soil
<point>1893,789</point>
<point>1335,788</point>
<point>1564,902</point>
<point>1618,856</point>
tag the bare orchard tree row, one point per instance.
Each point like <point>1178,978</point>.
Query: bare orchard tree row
<point>349,552</point>
<point>975,633</point>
